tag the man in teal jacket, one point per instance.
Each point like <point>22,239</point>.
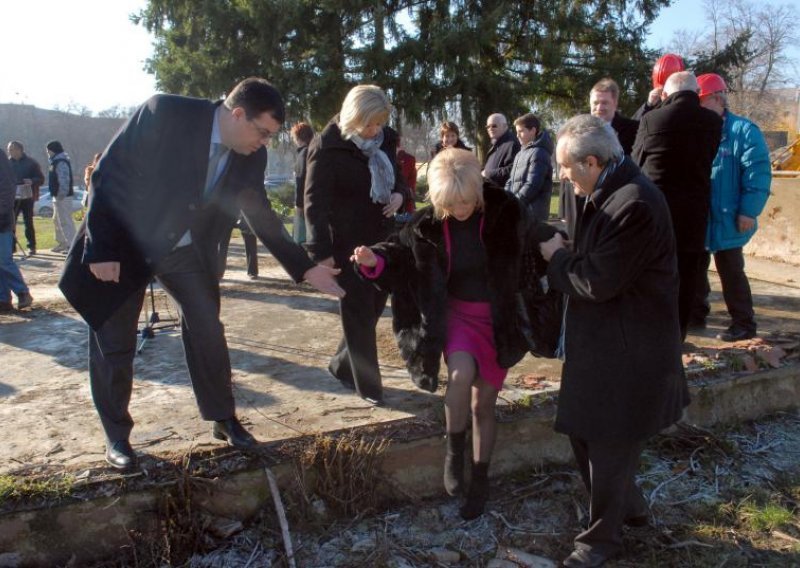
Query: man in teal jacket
<point>740,180</point>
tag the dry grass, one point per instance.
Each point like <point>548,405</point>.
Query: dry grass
<point>343,472</point>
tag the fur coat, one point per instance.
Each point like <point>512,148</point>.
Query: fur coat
<point>416,273</point>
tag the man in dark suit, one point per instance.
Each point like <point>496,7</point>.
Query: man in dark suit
<point>165,193</point>
<point>675,147</point>
<point>622,379</point>
<point>603,103</point>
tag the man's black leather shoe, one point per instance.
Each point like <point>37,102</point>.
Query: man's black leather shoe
<point>581,558</point>
<point>736,333</point>
<point>120,455</point>
<point>638,521</point>
<point>234,433</point>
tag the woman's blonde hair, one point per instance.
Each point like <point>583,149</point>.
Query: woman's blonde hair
<point>363,105</point>
<point>454,175</point>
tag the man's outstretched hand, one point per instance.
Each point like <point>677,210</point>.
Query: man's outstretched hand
<point>105,271</point>
<point>323,278</point>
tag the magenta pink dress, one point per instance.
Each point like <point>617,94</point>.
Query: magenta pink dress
<point>469,328</point>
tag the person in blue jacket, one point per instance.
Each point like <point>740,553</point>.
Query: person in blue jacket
<point>740,181</point>
<point>531,179</point>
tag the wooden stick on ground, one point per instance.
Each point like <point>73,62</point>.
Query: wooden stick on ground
<point>276,498</point>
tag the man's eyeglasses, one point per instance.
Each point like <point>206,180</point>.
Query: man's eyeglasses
<point>492,126</point>
<point>264,133</point>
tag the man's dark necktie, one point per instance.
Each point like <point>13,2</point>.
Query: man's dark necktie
<point>217,153</point>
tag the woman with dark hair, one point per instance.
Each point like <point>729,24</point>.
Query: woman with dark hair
<point>302,135</point>
<point>453,272</point>
<point>353,190</point>
<point>449,138</point>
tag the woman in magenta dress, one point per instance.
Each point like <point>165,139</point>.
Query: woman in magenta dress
<point>453,272</point>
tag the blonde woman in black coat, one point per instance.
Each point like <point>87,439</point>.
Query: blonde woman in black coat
<point>453,272</point>
<point>353,190</point>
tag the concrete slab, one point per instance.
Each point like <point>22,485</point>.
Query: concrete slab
<point>281,337</point>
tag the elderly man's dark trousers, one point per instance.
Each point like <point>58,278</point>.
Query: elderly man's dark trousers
<point>113,346</point>
<point>608,469</point>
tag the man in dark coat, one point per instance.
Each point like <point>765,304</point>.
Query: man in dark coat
<point>604,103</point>
<point>165,193</point>
<point>622,379</point>
<point>500,159</point>
<point>10,276</point>
<point>675,147</point>
<point>29,178</point>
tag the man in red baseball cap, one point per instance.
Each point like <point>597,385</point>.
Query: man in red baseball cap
<point>740,182</point>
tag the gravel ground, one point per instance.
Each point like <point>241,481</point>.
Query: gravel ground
<point>722,498</point>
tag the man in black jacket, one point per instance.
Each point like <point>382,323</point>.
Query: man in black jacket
<point>505,146</point>
<point>165,194</point>
<point>603,103</point>
<point>675,147</point>
<point>622,379</point>
<point>10,276</point>
<point>29,177</point>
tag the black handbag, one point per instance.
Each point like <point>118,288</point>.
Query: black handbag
<point>539,307</point>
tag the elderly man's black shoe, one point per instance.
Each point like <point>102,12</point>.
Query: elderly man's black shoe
<point>234,433</point>
<point>120,455</point>
<point>582,558</point>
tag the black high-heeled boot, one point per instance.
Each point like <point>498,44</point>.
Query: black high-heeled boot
<point>478,492</point>
<point>454,463</point>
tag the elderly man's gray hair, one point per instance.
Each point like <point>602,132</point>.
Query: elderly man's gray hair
<point>681,81</point>
<point>586,135</point>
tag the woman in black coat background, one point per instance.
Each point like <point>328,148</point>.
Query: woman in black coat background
<point>453,272</point>
<point>353,190</point>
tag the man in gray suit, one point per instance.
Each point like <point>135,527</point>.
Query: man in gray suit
<point>165,193</point>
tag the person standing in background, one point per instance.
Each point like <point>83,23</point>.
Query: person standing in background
<point>675,147</point>
<point>29,178</point>
<point>449,137</point>
<point>10,277</point>
<point>740,181</point>
<point>60,180</point>
<point>87,177</point>
<point>604,103</point>
<point>408,169</point>
<point>302,135</point>
<point>531,179</point>
<point>500,157</point>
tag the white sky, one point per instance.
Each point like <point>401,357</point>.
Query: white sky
<point>85,52</point>
<point>88,53</point>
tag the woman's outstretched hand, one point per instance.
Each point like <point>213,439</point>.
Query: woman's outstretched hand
<point>363,256</point>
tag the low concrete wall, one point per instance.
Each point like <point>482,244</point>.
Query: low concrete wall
<point>778,235</point>
<point>412,470</point>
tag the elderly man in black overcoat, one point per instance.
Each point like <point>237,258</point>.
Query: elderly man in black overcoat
<point>675,147</point>
<point>622,379</point>
<point>165,193</point>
